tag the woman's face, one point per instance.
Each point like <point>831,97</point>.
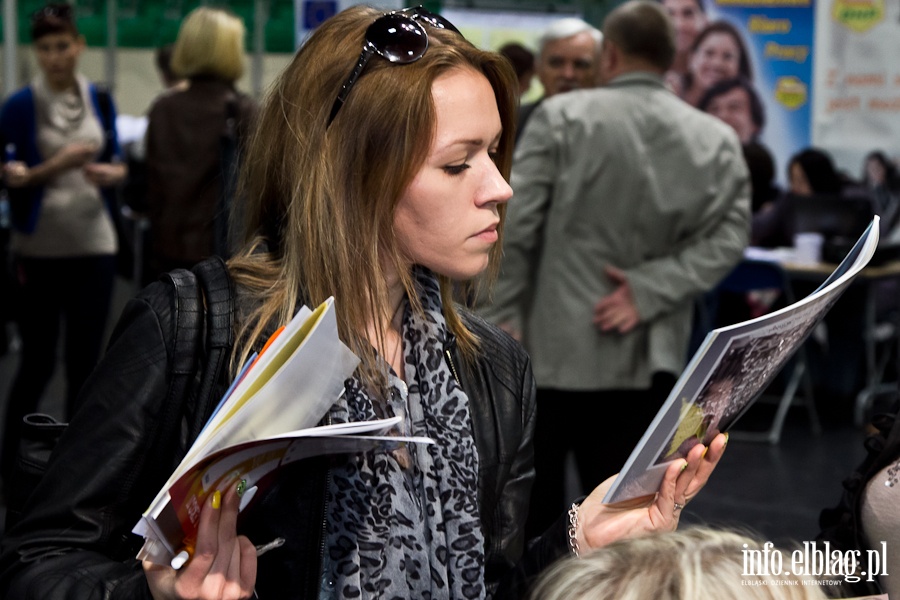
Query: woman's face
<point>799,182</point>
<point>688,20</point>
<point>876,171</point>
<point>57,56</point>
<point>716,58</point>
<point>447,218</point>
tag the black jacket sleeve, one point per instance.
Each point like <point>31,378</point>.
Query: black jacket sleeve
<point>75,540</point>
<point>501,390</point>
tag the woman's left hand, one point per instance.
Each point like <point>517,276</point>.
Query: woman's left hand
<point>105,174</point>
<point>601,524</point>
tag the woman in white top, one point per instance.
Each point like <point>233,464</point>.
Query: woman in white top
<point>60,145</point>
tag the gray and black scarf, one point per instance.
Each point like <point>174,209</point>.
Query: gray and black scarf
<point>409,529</point>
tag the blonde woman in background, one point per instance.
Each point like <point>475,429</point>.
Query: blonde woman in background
<point>193,140</point>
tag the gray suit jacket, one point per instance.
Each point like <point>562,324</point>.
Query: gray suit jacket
<point>630,176</point>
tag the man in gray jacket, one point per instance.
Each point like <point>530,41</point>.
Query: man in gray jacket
<point>628,204</point>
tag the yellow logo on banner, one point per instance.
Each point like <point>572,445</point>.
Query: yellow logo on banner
<point>858,15</point>
<point>791,92</point>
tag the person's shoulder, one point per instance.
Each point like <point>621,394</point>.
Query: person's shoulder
<point>160,297</point>
<point>689,116</point>
<point>17,112</point>
<point>247,105</point>
<point>592,105</point>
<point>19,99</point>
<point>24,94</point>
<point>573,108</point>
<point>496,345</point>
<point>574,99</point>
<point>702,128</point>
<point>170,99</point>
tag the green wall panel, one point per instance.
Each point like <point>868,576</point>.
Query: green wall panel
<point>153,23</point>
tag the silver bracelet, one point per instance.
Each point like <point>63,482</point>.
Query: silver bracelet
<point>573,530</point>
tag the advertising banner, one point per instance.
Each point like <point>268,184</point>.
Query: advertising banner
<point>857,91</point>
<point>749,62</point>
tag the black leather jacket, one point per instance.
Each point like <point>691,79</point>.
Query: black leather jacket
<point>75,539</point>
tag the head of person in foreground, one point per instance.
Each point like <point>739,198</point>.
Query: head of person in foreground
<point>695,563</point>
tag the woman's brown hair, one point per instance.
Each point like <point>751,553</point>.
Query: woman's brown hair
<point>321,198</point>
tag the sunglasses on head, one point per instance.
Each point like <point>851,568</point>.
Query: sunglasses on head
<point>57,11</point>
<point>398,37</point>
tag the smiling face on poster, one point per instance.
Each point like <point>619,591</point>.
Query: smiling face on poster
<point>689,19</point>
<point>777,40</point>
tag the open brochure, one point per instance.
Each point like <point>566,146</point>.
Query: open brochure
<point>732,367</point>
<point>266,420</point>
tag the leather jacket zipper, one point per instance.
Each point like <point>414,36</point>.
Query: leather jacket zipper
<point>452,367</point>
<point>324,517</point>
<point>324,520</point>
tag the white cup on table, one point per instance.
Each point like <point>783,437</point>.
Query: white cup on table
<point>808,247</point>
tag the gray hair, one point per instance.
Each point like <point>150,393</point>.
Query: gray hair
<point>565,28</point>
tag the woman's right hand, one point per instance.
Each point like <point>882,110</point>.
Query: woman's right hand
<point>223,566</point>
<point>16,174</point>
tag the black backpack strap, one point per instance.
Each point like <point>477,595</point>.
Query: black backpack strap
<point>217,288</point>
<point>201,349</point>
<point>204,311</point>
<point>186,347</point>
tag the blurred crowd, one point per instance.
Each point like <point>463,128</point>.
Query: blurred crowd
<point>638,180</point>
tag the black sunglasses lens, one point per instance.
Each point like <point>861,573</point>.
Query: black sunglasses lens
<point>397,38</point>
<point>436,21</point>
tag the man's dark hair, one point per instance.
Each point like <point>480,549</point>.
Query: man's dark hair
<point>757,111</point>
<point>761,165</point>
<point>521,58</point>
<point>642,29</point>
<point>163,59</point>
<point>819,170</point>
<point>53,18</point>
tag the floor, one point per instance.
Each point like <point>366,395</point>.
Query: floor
<point>776,491</point>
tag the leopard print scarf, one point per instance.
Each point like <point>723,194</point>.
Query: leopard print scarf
<point>407,525</point>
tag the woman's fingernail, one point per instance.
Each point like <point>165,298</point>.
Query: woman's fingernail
<point>241,486</point>
<point>216,499</point>
<point>726,440</point>
<point>684,466</point>
<point>705,450</point>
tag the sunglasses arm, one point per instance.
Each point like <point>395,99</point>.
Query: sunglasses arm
<point>364,56</point>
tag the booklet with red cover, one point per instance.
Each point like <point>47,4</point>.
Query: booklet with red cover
<point>267,419</point>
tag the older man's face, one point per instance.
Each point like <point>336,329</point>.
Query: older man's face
<point>568,64</point>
